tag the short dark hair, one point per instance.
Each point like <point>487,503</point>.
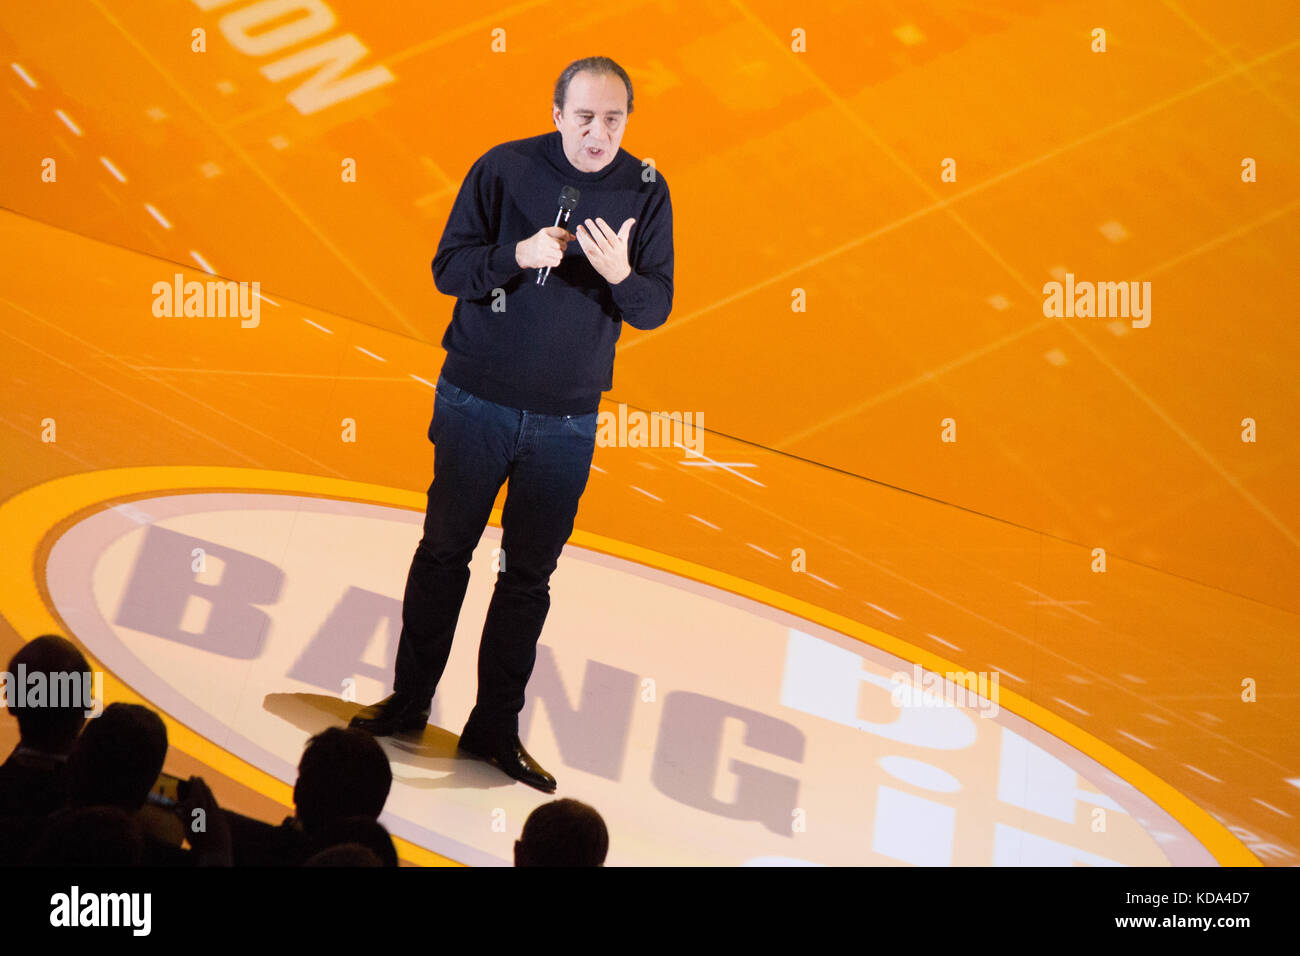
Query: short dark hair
<point>117,758</point>
<point>48,728</point>
<point>593,64</point>
<point>563,832</point>
<point>343,773</point>
<point>345,854</point>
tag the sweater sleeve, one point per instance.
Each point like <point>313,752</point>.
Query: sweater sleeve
<point>645,297</point>
<point>470,262</point>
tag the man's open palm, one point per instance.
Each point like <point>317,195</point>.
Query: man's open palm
<point>606,249</point>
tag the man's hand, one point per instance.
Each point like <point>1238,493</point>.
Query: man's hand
<point>543,248</point>
<point>606,250</point>
<point>205,825</point>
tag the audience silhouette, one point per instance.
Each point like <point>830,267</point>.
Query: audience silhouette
<point>343,773</point>
<point>563,832</point>
<point>90,836</point>
<point>345,854</point>
<point>33,780</point>
<point>76,793</point>
<point>116,762</point>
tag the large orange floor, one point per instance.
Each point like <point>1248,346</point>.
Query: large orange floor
<point>818,171</point>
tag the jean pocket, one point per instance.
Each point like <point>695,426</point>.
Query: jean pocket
<point>583,425</point>
<point>449,394</point>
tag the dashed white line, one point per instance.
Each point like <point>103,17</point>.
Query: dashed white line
<point>1156,718</point>
<point>203,262</point>
<point>370,353</point>
<point>1271,807</point>
<point>1209,717</point>
<point>1073,707</point>
<point>1076,679</point>
<point>644,492</point>
<point>26,78</point>
<point>1294,781</point>
<point>317,325</point>
<point>162,220</point>
<point>830,584</point>
<point>1006,673</point>
<point>423,380</point>
<point>1207,776</point>
<point>599,469</point>
<point>762,550</point>
<point>265,299</point>
<point>1137,740</point>
<point>67,121</point>
<point>117,173</point>
<point>703,522</point>
<point>877,607</point>
<point>1133,678</point>
<point>942,641</point>
<point>725,466</point>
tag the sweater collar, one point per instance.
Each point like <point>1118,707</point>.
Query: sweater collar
<point>555,155</point>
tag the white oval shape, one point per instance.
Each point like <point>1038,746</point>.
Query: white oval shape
<point>755,745</point>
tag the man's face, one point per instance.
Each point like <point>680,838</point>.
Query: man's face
<point>593,119</point>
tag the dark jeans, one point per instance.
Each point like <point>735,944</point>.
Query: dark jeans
<point>478,445</point>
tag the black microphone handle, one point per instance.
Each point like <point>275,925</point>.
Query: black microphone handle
<point>543,273</point>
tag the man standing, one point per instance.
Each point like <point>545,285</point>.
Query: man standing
<point>520,388</point>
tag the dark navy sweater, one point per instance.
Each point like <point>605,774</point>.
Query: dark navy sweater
<point>551,349</point>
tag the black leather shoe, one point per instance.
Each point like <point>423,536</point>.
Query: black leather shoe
<point>393,714</point>
<point>513,760</point>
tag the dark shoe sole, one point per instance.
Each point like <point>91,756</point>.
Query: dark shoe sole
<point>389,732</point>
<point>480,755</point>
<point>377,727</point>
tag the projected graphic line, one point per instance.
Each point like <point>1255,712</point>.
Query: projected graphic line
<point>952,504</point>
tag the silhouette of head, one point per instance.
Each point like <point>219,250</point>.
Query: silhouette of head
<point>365,831</point>
<point>343,773</point>
<point>117,758</point>
<point>345,854</point>
<point>45,727</point>
<point>89,836</point>
<point>563,833</point>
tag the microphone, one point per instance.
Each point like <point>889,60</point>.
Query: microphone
<point>568,200</point>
